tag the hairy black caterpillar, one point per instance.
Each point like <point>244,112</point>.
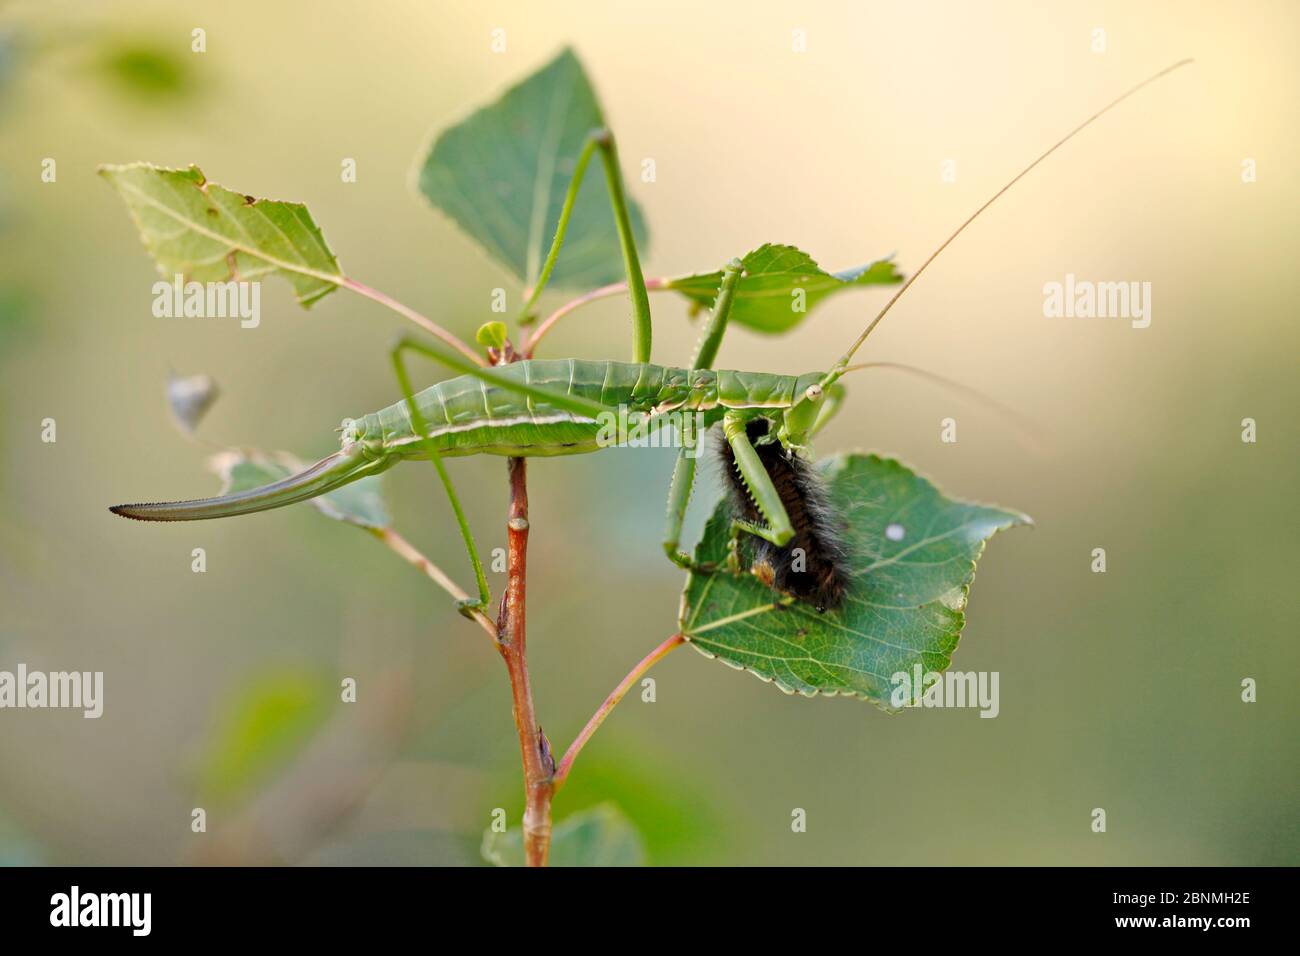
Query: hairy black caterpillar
<point>813,565</point>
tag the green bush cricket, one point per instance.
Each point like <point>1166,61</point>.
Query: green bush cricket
<point>524,407</point>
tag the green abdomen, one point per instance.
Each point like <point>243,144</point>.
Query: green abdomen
<point>466,416</point>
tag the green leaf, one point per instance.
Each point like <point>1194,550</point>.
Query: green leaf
<point>765,299</point>
<point>208,233</point>
<point>677,816</point>
<point>261,729</point>
<point>15,319</point>
<point>598,836</point>
<point>913,554</point>
<point>148,70</point>
<point>502,174</point>
<point>360,503</point>
<point>491,335</point>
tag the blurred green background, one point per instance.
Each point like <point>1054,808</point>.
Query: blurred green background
<point>1118,690</point>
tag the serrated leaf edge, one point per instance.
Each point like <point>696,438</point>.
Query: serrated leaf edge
<point>1016,518</point>
<point>674,283</point>
<point>201,183</point>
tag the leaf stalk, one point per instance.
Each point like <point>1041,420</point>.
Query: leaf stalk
<point>617,694</point>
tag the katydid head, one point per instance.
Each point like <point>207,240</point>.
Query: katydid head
<point>798,420</point>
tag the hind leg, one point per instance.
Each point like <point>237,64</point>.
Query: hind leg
<point>683,481</point>
<point>571,403</point>
<point>422,430</point>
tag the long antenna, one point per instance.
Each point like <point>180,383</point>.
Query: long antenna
<point>1030,432</point>
<point>1020,175</point>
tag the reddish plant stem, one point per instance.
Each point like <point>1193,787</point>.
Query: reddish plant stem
<point>539,765</point>
<point>424,322</point>
<point>598,718</point>
<point>604,292</point>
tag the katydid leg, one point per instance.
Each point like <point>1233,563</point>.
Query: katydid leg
<point>421,428</point>
<point>600,139</point>
<point>570,403</point>
<point>679,496</point>
<point>779,529</point>
<point>711,340</point>
<point>683,482</point>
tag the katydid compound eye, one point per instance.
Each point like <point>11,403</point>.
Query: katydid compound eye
<point>813,393</point>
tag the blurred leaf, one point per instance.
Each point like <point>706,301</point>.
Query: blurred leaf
<point>15,322</point>
<point>190,398</point>
<point>360,503</point>
<point>764,298</point>
<point>263,727</point>
<point>145,71</point>
<point>913,552</point>
<point>9,55</point>
<point>597,836</point>
<point>17,848</point>
<point>242,470</point>
<point>502,174</point>
<point>208,233</point>
<point>678,808</point>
